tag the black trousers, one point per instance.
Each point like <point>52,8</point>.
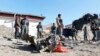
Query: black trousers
<point>17,34</point>
<point>94,35</point>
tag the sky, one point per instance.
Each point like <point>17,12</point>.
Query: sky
<point>69,9</point>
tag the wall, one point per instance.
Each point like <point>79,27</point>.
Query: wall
<point>9,22</point>
<point>32,28</point>
<point>6,27</point>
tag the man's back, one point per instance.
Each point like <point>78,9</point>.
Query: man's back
<point>25,22</point>
<point>39,27</point>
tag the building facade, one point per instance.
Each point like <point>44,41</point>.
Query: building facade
<point>7,19</point>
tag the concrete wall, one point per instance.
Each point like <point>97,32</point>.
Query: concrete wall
<point>32,28</point>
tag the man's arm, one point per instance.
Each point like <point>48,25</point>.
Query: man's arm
<point>57,20</point>
<point>37,26</point>
<point>28,23</point>
<point>21,22</point>
<point>62,23</point>
<point>42,27</point>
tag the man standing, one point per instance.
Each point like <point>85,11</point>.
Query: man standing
<point>93,29</point>
<point>74,33</point>
<point>24,28</point>
<point>39,30</point>
<point>59,25</point>
<point>17,27</point>
<point>85,33</point>
<point>53,40</point>
<point>53,29</point>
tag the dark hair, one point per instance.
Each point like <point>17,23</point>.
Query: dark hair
<point>39,22</point>
<point>59,15</point>
<point>53,23</point>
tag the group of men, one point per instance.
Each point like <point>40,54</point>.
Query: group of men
<point>93,28</point>
<point>21,27</point>
<point>54,28</point>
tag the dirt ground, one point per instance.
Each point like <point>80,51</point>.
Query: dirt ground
<point>78,48</point>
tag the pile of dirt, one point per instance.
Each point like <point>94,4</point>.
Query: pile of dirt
<point>6,32</point>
